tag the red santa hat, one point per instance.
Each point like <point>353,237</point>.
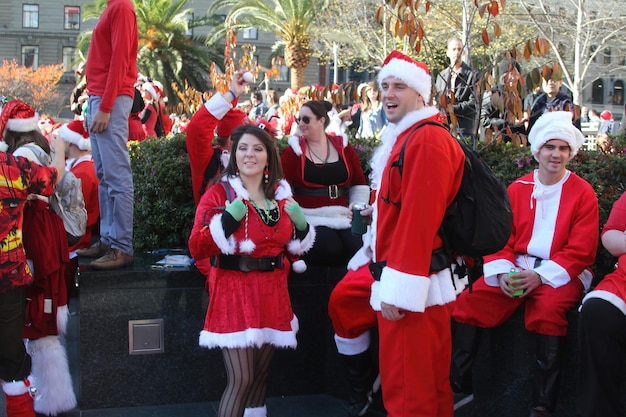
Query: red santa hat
<point>555,125</point>
<point>152,89</point>
<point>606,115</point>
<point>74,132</point>
<point>231,120</point>
<point>414,73</point>
<point>17,116</point>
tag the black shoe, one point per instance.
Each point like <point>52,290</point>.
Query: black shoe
<point>462,398</point>
<point>360,409</point>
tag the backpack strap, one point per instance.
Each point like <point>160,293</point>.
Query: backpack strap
<point>400,162</point>
<point>229,191</point>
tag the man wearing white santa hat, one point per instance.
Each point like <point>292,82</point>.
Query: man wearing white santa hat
<point>411,301</point>
<point>553,243</point>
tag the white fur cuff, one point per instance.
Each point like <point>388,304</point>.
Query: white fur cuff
<point>226,245</point>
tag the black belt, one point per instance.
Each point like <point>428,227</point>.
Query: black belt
<point>332,191</point>
<point>439,261</point>
<point>247,263</point>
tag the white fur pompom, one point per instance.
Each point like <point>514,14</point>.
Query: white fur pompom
<point>3,146</point>
<point>299,266</point>
<point>247,246</point>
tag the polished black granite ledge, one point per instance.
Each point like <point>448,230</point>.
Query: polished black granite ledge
<point>185,372</point>
<point>186,380</point>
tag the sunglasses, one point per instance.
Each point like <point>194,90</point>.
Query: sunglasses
<point>305,119</point>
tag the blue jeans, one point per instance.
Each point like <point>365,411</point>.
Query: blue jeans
<point>14,361</point>
<point>116,191</point>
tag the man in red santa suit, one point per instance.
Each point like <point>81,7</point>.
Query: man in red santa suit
<point>411,300</point>
<point>218,112</point>
<point>553,242</point>
<point>217,116</point>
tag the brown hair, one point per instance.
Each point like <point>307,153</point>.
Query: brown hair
<point>16,139</point>
<point>273,160</point>
<point>319,108</point>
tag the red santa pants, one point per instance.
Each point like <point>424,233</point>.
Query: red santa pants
<point>415,356</point>
<point>545,310</point>
<point>349,305</point>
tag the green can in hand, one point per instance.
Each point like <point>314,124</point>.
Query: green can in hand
<point>512,275</point>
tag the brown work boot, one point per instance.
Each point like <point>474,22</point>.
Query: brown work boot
<point>114,258</point>
<point>96,250</point>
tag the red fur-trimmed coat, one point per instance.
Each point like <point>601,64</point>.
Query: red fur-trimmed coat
<point>200,134</point>
<point>406,237</point>
<point>247,308</point>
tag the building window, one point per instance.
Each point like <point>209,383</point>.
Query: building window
<point>68,58</point>
<point>592,50</point>
<point>597,92</point>
<point>250,33</point>
<point>30,56</point>
<point>618,93</point>
<point>283,72</point>
<point>72,17</point>
<point>607,55</point>
<point>30,16</point>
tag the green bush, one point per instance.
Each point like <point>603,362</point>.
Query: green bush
<point>164,206</point>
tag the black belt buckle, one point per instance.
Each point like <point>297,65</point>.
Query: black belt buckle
<point>333,191</point>
<point>270,263</point>
<point>376,269</point>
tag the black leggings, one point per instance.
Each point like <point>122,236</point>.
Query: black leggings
<point>246,373</point>
<point>602,342</point>
<point>14,361</point>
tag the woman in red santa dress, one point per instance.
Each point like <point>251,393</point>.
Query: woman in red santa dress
<point>46,247</point>
<point>251,228</point>
<point>326,175</point>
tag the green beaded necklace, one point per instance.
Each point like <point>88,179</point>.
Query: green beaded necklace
<point>266,214</point>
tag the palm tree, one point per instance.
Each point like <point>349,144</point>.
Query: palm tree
<point>294,22</point>
<point>165,52</point>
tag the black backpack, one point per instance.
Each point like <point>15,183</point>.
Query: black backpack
<point>479,220</point>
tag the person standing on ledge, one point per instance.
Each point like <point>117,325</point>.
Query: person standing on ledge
<point>111,73</point>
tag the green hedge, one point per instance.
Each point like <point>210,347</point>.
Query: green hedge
<point>164,206</point>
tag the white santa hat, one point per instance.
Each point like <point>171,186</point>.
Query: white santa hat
<point>17,116</point>
<point>414,73</point>
<point>555,125</point>
<point>74,132</point>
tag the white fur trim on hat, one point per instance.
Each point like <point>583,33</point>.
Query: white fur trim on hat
<point>70,136</point>
<point>413,73</point>
<point>23,125</point>
<point>555,125</point>
<point>150,88</point>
